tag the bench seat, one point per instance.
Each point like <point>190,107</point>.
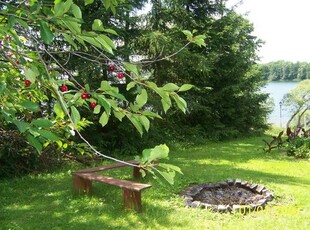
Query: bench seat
<point>82,182</point>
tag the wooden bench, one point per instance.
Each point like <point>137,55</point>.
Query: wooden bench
<point>82,182</point>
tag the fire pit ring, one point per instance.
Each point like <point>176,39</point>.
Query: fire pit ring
<point>228,196</point>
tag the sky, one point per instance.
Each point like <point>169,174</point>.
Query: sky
<point>284,26</point>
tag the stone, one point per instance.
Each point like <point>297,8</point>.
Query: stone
<point>238,182</point>
<point>244,183</point>
<point>195,204</point>
<point>262,202</point>
<point>230,181</point>
<point>236,208</point>
<point>222,208</point>
<point>253,186</point>
<point>259,189</point>
<point>223,184</point>
<point>188,203</point>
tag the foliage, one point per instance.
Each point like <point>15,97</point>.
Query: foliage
<point>298,100</point>
<point>227,101</point>
<point>285,71</point>
<point>297,143</point>
<point>299,147</point>
<point>44,99</point>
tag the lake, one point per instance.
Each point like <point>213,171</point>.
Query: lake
<point>276,91</point>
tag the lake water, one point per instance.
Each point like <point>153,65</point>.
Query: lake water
<point>276,91</point>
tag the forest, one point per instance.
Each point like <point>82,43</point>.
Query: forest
<point>285,71</point>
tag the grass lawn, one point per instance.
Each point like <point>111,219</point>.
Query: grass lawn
<point>47,201</point>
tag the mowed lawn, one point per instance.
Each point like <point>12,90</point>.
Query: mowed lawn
<point>47,201</point>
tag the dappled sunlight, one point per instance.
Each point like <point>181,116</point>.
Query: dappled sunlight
<point>49,201</point>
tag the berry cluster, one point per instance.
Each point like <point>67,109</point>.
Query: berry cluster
<point>111,68</point>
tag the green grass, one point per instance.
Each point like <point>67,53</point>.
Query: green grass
<point>47,201</point>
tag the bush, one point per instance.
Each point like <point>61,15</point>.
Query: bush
<point>299,147</point>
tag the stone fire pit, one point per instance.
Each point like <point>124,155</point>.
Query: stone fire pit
<point>228,196</point>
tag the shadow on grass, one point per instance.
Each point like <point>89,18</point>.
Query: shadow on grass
<point>48,201</point>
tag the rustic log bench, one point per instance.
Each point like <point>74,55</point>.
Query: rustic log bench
<point>82,182</point>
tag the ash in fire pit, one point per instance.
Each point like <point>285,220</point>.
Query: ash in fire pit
<point>231,195</point>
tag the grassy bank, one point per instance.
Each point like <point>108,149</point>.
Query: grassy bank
<point>47,201</point>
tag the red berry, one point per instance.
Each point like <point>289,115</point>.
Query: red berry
<point>111,68</point>
<point>84,95</point>
<point>27,82</point>
<point>93,104</point>
<point>17,62</point>
<point>120,75</point>
<point>64,88</point>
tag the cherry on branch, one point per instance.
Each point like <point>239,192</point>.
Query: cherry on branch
<point>27,82</point>
<point>120,75</point>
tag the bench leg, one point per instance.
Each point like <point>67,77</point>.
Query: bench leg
<point>136,172</point>
<point>81,184</point>
<point>132,199</point>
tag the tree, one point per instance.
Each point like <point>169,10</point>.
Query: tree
<point>298,100</point>
<point>224,70</point>
<point>43,98</point>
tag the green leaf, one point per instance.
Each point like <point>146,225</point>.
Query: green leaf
<point>107,40</point>
<point>22,23</point>
<point>46,34</point>
<point>188,34</point>
<point>32,106</point>
<point>135,122</point>
<point>31,74</point>
<point>143,173</point>
<point>75,115</point>
<point>151,114</point>
<point>117,95</point>
<point>11,21</point>
<point>170,167</point>
<point>141,99</point>
<point>87,2</point>
<point>104,118</point>
<point>58,110</point>
<point>22,126</point>
<point>145,122</point>
<point>165,105</point>
<point>158,152</point>
<point>59,9</point>
<point>110,31</point>
<point>48,135</point>
<point>97,25</point>
<point>70,40</point>
<point>97,109</point>
<point>34,142</point>
<point>105,103</point>
<point>131,68</point>
<point>73,26</point>
<point>185,87</point>
<point>131,85</point>
<point>44,123</point>
<point>170,87</point>
<point>200,40</point>
<point>181,103</point>
<point>119,115</point>
<point>105,86</point>
<point>76,11</point>
<point>169,176</point>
